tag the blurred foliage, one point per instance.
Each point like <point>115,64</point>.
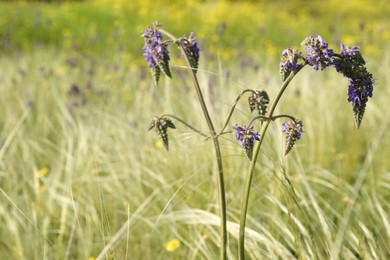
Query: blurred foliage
<point>45,1</point>
<point>225,28</point>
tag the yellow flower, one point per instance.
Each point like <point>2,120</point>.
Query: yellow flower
<point>159,144</point>
<point>43,171</point>
<point>172,245</point>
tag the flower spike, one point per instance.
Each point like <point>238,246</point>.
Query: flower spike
<point>191,48</point>
<point>288,62</point>
<point>293,130</point>
<point>156,52</point>
<point>162,124</point>
<point>360,84</point>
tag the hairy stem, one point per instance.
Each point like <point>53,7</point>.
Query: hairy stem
<point>214,136</point>
<point>248,182</point>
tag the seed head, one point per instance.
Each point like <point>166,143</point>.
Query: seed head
<point>162,124</point>
<point>258,100</point>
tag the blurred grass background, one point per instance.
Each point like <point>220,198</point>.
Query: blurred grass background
<point>81,179</point>
<point>251,27</point>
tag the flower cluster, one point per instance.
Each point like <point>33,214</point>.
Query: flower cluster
<point>247,136</point>
<point>318,53</point>
<point>289,62</point>
<point>349,62</point>
<point>293,130</point>
<point>360,84</point>
<point>156,52</point>
<point>161,124</point>
<point>258,100</point>
<point>191,48</point>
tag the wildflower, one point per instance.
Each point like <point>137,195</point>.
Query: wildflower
<point>43,171</point>
<point>258,100</point>
<point>190,45</point>
<point>247,137</point>
<point>318,53</point>
<point>172,245</point>
<point>289,62</point>
<point>162,124</point>
<point>293,130</point>
<point>156,52</point>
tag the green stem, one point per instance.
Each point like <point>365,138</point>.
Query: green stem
<point>248,183</point>
<point>232,109</point>
<point>266,118</point>
<point>186,124</point>
<point>214,136</point>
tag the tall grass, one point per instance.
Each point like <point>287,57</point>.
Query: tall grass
<point>80,177</point>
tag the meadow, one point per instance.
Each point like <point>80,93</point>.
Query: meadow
<point>80,178</point>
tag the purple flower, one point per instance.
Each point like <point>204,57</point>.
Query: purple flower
<point>293,130</point>
<point>353,95</point>
<point>359,90</point>
<point>246,134</point>
<point>247,137</point>
<point>288,62</point>
<point>153,47</point>
<point>318,53</point>
<point>361,83</point>
<point>193,45</point>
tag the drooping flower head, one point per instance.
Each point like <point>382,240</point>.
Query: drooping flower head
<point>288,62</point>
<point>293,130</point>
<point>156,51</point>
<point>318,53</point>
<point>247,136</point>
<point>360,82</point>
<point>191,47</point>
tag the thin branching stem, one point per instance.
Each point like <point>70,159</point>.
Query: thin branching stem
<point>214,136</point>
<point>232,109</point>
<point>248,183</point>
<point>186,124</point>
<point>266,118</point>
